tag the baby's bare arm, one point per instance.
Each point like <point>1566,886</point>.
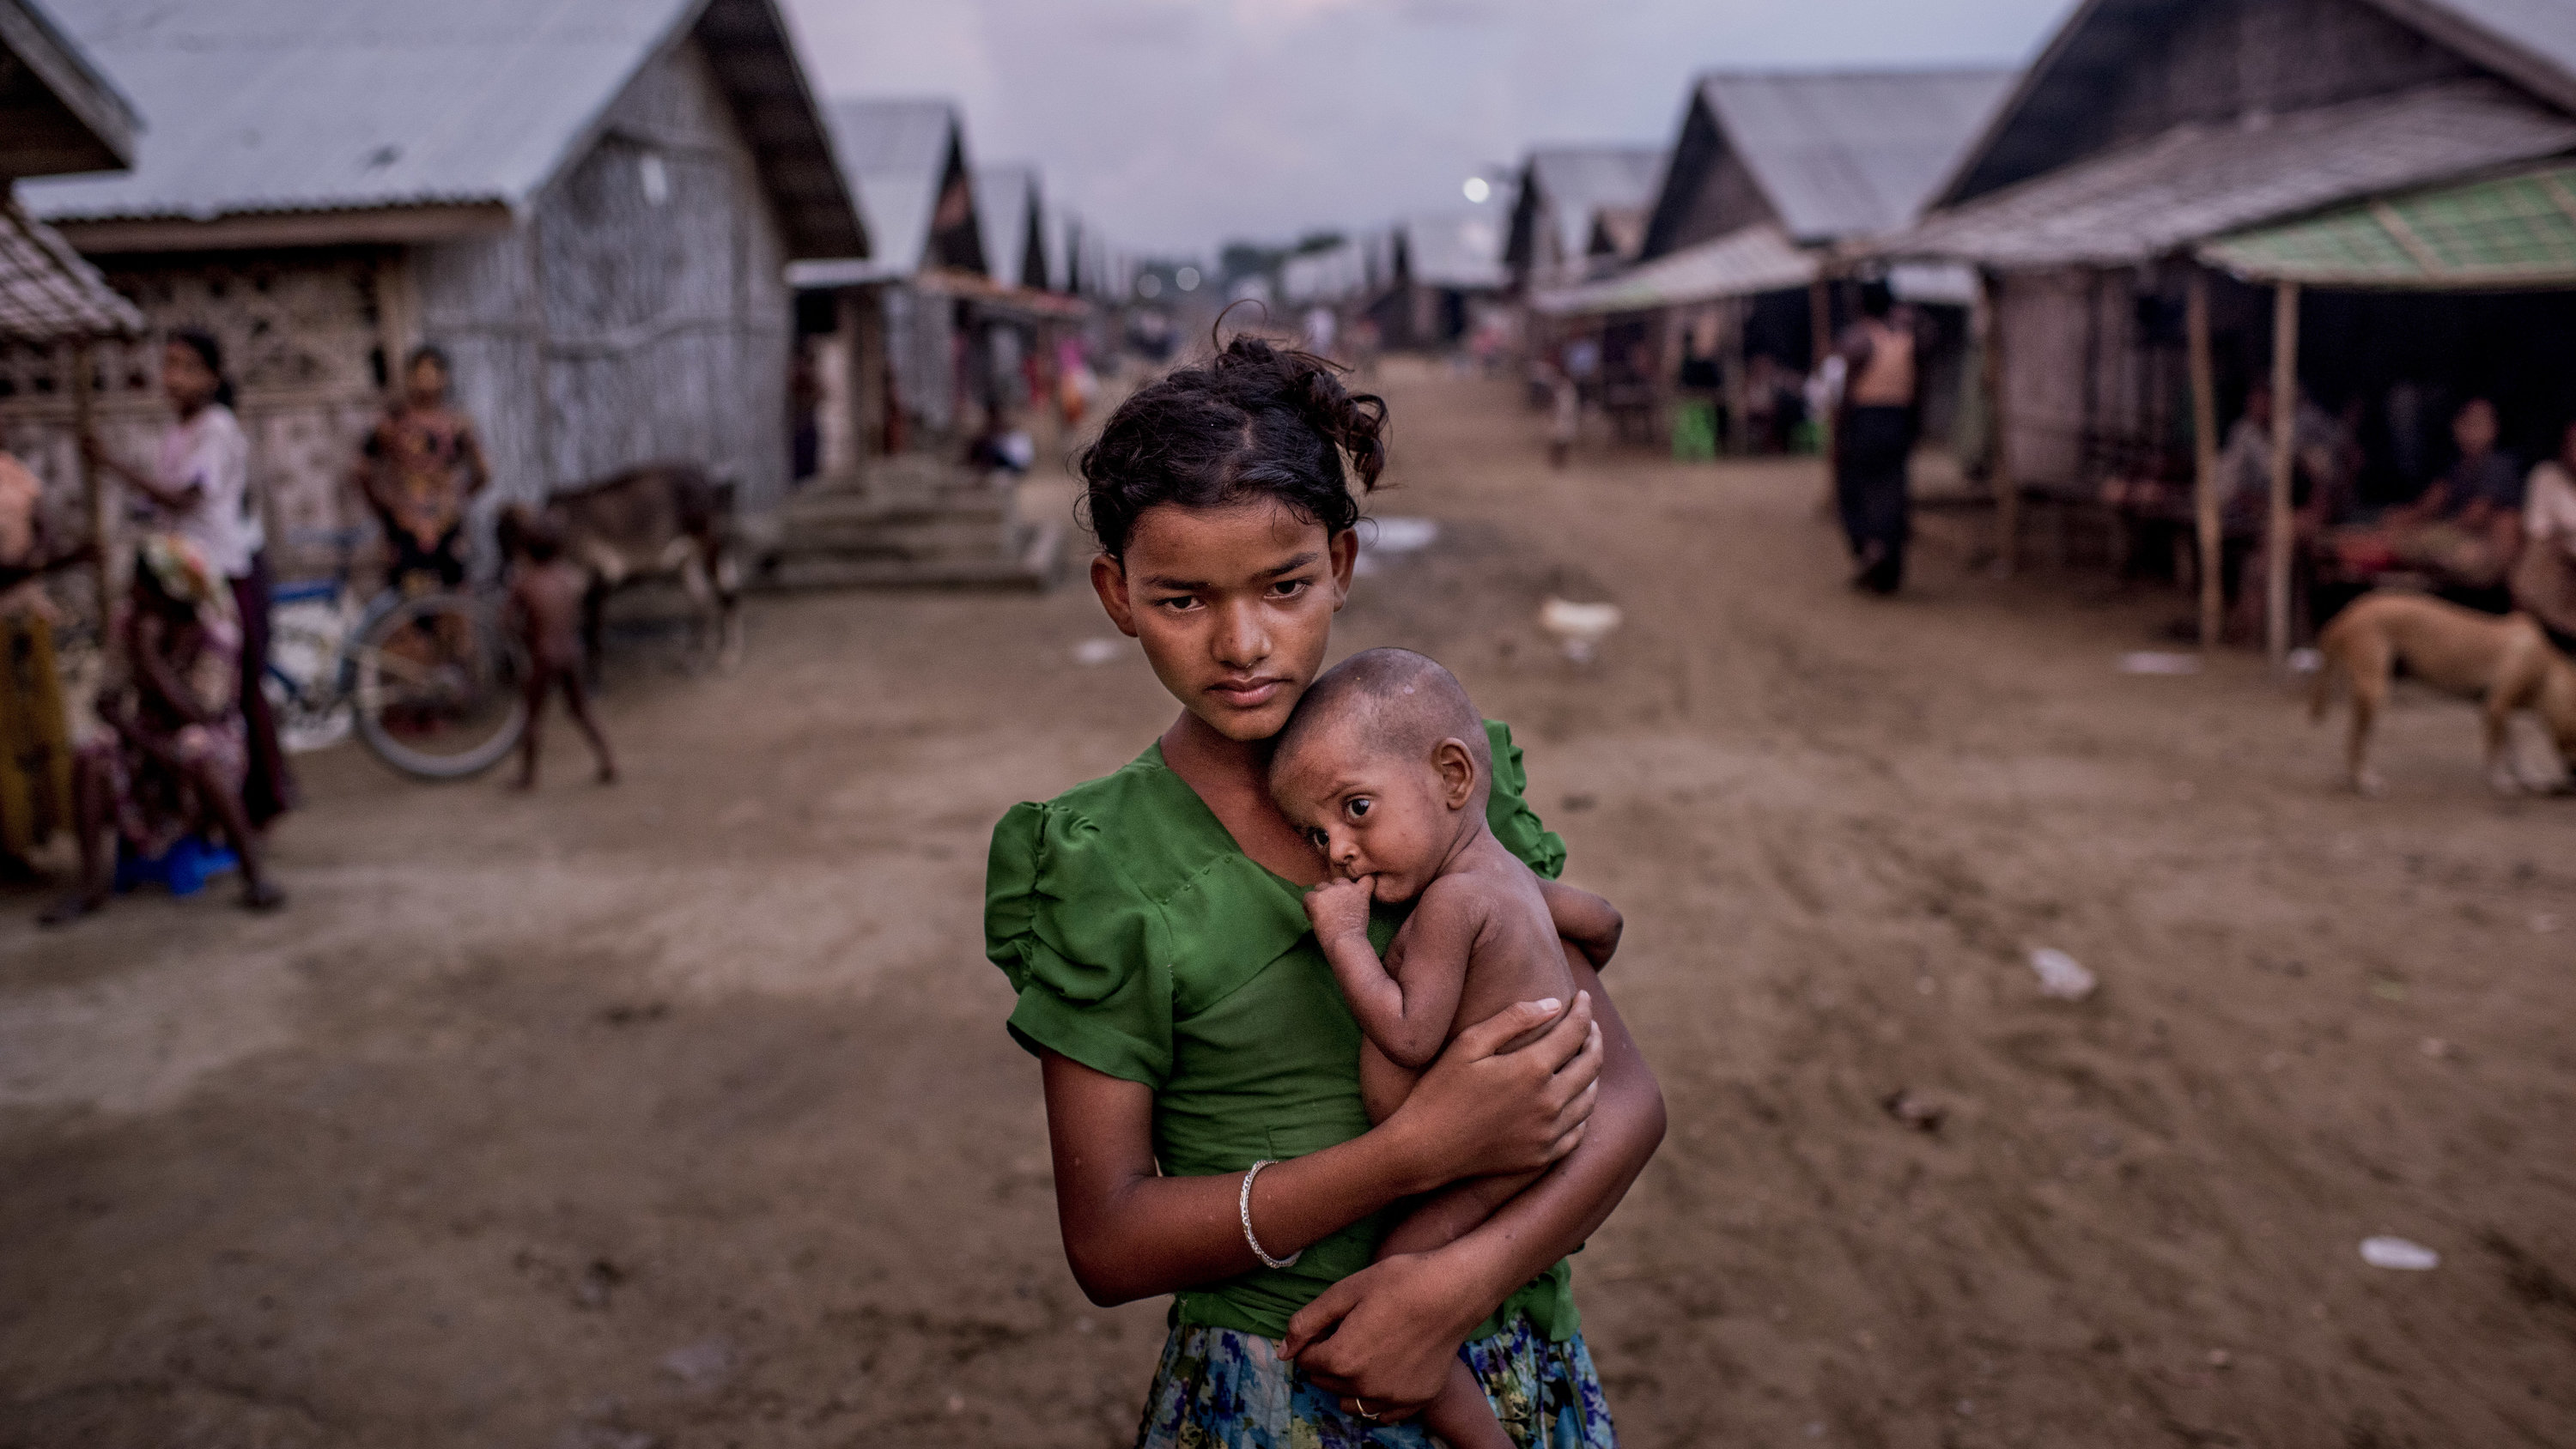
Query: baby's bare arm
<point>1591,923</point>
<point>1406,1003</point>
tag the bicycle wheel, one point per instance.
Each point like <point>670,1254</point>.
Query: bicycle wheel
<point>437,685</point>
<point>311,709</point>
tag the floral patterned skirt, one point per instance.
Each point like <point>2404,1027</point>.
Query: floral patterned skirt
<point>1220,1388</point>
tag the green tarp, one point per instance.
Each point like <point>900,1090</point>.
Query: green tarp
<point>2506,233</point>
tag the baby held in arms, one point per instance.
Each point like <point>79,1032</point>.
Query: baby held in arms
<point>1386,767</point>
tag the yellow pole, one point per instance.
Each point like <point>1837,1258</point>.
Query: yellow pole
<point>2277,540</point>
<point>2204,434</point>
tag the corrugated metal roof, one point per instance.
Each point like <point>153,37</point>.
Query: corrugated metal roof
<point>1759,258</point>
<point>1577,182</point>
<point>1330,275</point>
<point>47,293</point>
<point>2531,42</point>
<point>257,106</point>
<point>72,119</point>
<point>895,153</point>
<point>1006,206</point>
<point>1848,153</point>
<point>2197,181</point>
<point>2513,233</point>
<point>290,105</point>
<point>1464,250</point>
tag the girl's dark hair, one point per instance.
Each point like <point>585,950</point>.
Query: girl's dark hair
<point>211,353</point>
<point>1256,420</point>
<point>428,352</point>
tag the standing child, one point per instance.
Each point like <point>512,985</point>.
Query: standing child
<point>546,591</point>
<point>1386,767</point>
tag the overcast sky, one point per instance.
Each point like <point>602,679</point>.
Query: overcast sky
<point>1177,124</point>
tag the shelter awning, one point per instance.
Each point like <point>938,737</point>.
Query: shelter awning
<point>1758,258</point>
<point>2199,181</point>
<point>47,292</point>
<point>2506,233</point>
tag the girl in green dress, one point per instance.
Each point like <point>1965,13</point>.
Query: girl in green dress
<point>1200,1067</point>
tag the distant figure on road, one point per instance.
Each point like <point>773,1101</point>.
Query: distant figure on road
<point>1323,329</point>
<point>1875,437</point>
<point>546,592</point>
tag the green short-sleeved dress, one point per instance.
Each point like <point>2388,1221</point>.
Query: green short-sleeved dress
<point>1146,945</point>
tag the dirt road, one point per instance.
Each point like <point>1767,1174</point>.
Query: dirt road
<point>680,1114</point>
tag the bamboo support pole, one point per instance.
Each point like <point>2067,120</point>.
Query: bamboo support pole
<point>2204,439</point>
<point>1999,420</point>
<point>2277,539</point>
<point>1820,339</point>
<point>93,496</point>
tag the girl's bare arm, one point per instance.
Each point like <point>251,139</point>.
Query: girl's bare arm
<point>1131,1233</point>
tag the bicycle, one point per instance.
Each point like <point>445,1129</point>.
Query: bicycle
<point>431,683</point>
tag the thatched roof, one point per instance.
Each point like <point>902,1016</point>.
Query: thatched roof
<point>2197,181</point>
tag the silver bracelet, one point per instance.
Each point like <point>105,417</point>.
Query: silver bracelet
<point>1243,1209</point>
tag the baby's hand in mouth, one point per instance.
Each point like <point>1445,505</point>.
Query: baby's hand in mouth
<point>1340,907</point>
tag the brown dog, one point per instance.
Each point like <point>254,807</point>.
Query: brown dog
<point>2505,662</point>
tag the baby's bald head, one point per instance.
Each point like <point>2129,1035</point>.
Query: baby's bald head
<point>1392,704</point>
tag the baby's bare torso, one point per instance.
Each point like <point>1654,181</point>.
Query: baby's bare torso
<point>1491,923</point>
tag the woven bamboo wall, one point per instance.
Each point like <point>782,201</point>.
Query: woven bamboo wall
<point>642,312</point>
<point>303,334</point>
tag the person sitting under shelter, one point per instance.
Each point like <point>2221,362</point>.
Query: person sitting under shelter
<point>2544,572</point>
<point>171,761</point>
<point>2321,468</point>
<point>35,742</point>
<point>2464,529</point>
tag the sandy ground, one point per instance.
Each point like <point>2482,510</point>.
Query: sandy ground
<point>680,1114</point>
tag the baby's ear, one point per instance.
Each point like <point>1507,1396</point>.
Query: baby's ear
<point>1457,766</point>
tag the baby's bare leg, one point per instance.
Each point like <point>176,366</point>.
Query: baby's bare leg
<point>1462,1416</point>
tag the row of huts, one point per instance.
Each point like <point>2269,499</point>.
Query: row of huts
<point>2370,201</point>
<point>630,224</point>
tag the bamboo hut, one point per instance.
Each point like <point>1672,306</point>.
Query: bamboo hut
<point>2151,129</point>
<point>589,205</point>
<point>1443,281</point>
<point>1768,173</point>
<point>885,329</point>
<point>1578,212</point>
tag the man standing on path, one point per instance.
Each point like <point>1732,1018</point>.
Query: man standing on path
<point>1874,437</point>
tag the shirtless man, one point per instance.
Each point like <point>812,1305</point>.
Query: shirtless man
<point>1386,767</point>
<point>1874,438</point>
<point>422,466</point>
<point>546,591</point>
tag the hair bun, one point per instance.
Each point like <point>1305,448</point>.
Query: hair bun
<point>1256,419</point>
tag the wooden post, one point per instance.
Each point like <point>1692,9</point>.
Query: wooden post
<point>2204,441</point>
<point>1820,340</point>
<point>84,422</point>
<point>2277,539</point>
<point>1990,291</point>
